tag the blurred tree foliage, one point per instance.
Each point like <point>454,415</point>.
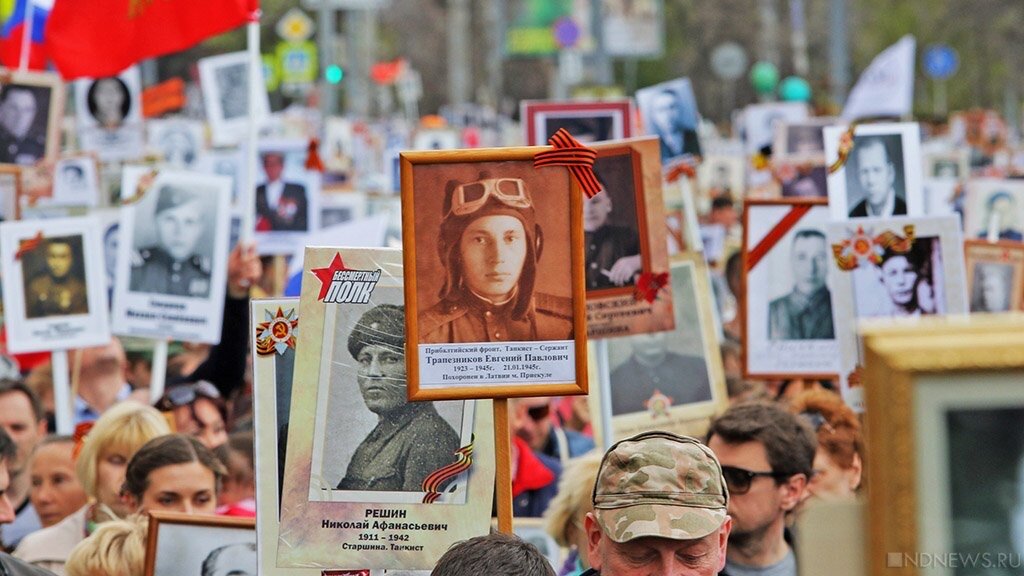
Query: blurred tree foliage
<point>988,34</point>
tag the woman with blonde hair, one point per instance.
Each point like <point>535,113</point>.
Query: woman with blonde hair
<point>117,548</point>
<point>100,465</point>
<point>563,519</point>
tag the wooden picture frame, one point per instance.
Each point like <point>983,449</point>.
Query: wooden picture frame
<point>625,233</point>
<point>238,532</point>
<point>997,204</point>
<point>41,138</point>
<point>923,382</point>
<point>801,141</point>
<point>770,227</point>
<point>995,275</point>
<point>586,121</point>
<point>556,204</point>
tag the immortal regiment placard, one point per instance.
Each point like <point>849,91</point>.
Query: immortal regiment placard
<point>625,247</point>
<point>108,114</point>
<point>371,479</point>
<point>172,255</point>
<point>668,380</point>
<point>787,323</point>
<point>494,274</point>
<point>287,196</point>
<point>54,290</point>
<point>587,121</point>
<point>891,268</point>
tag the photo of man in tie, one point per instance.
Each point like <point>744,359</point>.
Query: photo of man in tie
<point>280,205</point>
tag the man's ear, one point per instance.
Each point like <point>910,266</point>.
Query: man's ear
<point>792,491</point>
<point>723,540</point>
<point>594,535</point>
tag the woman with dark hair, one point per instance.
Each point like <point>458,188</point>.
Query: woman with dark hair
<point>175,473</point>
<point>906,277</point>
<point>109,101</point>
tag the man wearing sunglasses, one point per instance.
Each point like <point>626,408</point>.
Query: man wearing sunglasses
<point>489,247</point>
<point>767,457</point>
<point>659,509</point>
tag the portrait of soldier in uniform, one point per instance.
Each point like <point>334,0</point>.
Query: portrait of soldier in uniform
<point>410,440</point>
<point>233,90</point>
<point>58,287</point>
<point>280,205</point>
<point>489,247</point>
<point>174,264</point>
<point>806,312</point>
<point>612,246</point>
<point>654,369</point>
<point>23,114</point>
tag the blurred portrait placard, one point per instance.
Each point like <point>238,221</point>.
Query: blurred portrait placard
<point>225,82</point>
<point>108,113</point>
<point>758,123</point>
<point>722,175</point>
<point>882,174</point>
<point>10,190</point>
<point>287,196</point>
<point>588,122</point>
<point>633,28</point>
<point>994,209</point>
<point>788,329</point>
<point>948,165</point>
<point>76,182</point>
<point>496,300</point>
<point>995,275</point>
<point>669,111</point>
<point>54,293</point>
<point>624,243</point>
<point>668,380</point>
<point>371,478</point>
<point>172,255</point>
<point>178,142</point>
<point>899,268</point>
<point>185,544</point>
<point>31,106</point>
<point>801,141</point>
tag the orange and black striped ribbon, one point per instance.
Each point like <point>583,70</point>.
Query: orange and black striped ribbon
<point>578,158</point>
<point>29,244</point>
<point>434,483</point>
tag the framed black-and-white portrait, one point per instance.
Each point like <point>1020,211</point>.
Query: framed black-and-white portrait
<point>338,153</point>
<point>995,275</point>
<point>10,191</point>
<point>758,122</point>
<point>287,196</point>
<point>76,182</point>
<point>225,82</point>
<point>186,545</point>
<point>669,111</point>
<point>172,255</point>
<point>586,121</point>
<point>994,209</point>
<point>801,141</point>
<point>948,165</point>
<point>881,177</point>
<point>436,139</point>
<point>893,268</point>
<point>179,142</point>
<point>54,291</point>
<point>108,113</point>
<point>667,380</point>
<point>722,175</point>
<point>31,106</point>
<point>787,316</point>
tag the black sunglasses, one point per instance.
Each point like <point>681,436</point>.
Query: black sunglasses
<point>739,479</point>
<point>185,395</point>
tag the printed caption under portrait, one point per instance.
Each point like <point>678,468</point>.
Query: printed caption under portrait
<point>494,364</point>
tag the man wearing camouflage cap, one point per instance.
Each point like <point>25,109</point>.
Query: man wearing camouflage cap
<point>659,509</point>
<point>172,266</point>
<point>411,439</point>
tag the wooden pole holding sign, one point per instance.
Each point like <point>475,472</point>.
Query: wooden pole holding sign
<point>503,465</point>
<point>250,146</point>
<point>158,371</point>
<point>62,399</point>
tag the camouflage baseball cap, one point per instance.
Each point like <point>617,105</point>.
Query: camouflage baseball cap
<point>660,484</point>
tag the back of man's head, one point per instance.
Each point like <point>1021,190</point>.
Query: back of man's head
<point>789,441</point>
<point>493,555</point>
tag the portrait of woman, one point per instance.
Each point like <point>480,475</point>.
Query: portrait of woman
<point>109,101</point>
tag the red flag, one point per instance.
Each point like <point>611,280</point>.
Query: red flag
<point>98,38</point>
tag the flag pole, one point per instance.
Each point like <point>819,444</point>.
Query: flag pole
<point>251,151</point>
<point>26,36</point>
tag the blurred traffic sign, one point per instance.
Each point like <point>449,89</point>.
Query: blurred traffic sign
<point>294,26</point>
<point>297,65</point>
<point>940,61</point>
<point>728,61</point>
